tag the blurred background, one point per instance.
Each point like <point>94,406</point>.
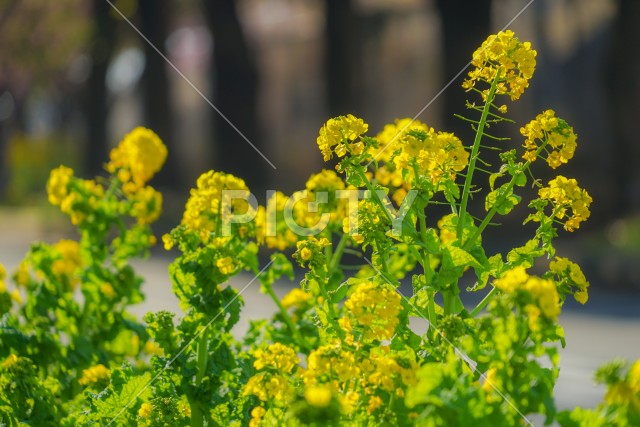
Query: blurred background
<point>77,75</point>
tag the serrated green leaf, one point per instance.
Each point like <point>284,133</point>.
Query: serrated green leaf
<point>133,388</point>
<point>461,258</point>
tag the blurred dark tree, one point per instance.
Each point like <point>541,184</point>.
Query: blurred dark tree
<point>95,98</point>
<point>38,41</point>
<point>465,25</point>
<point>235,89</point>
<point>623,81</point>
<point>341,57</point>
<point>154,24</point>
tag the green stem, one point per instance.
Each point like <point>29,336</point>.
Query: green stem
<point>333,316</point>
<point>474,155</point>
<point>484,302</point>
<point>485,222</point>
<point>197,415</point>
<point>385,271</point>
<point>428,271</point>
<point>448,302</point>
<point>337,255</point>
<point>374,194</point>
<point>283,312</point>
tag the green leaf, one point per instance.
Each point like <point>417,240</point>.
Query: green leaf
<point>502,200</point>
<point>134,388</point>
<point>430,377</point>
<point>525,255</point>
<point>493,177</point>
<point>461,258</point>
<point>340,293</point>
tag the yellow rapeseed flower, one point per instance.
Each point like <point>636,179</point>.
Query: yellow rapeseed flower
<point>57,185</point>
<point>140,154</point>
<point>94,374</point>
<point>277,356</point>
<point>504,55</point>
<point>296,297</point>
<point>318,396</point>
<point>511,280</point>
<point>225,265</point>
<point>556,133</point>
<point>16,297</point>
<point>69,261</point>
<point>9,361</point>
<point>565,194</point>
<point>145,410</point>
<point>204,207</point>
<point>376,308</point>
<point>338,135</point>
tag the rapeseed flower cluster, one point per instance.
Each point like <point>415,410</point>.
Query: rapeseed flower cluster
<point>555,134</point>
<point>276,356</point>
<point>70,260</point>
<point>503,56</point>
<point>409,149</point>
<point>431,154</point>
<point>95,374</point>
<point>134,161</point>
<point>274,364</point>
<point>271,227</point>
<point>339,136</point>
<point>625,389</point>
<point>544,293</point>
<point>331,368</point>
<point>571,272</point>
<point>75,197</point>
<point>373,309</point>
<point>326,182</point>
<point>147,205</point>
<point>366,224</point>
<point>138,157</point>
<point>296,298</point>
<point>203,211</point>
<point>311,252</point>
<point>564,194</point>
<point>58,185</point>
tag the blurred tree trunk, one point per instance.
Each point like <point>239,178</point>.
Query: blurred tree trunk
<point>341,57</point>
<point>96,92</point>
<point>235,90</point>
<point>154,16</point>
<point>465,25</point>
<point>624,88</point>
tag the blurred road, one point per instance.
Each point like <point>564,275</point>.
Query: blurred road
<point>608,326</point>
